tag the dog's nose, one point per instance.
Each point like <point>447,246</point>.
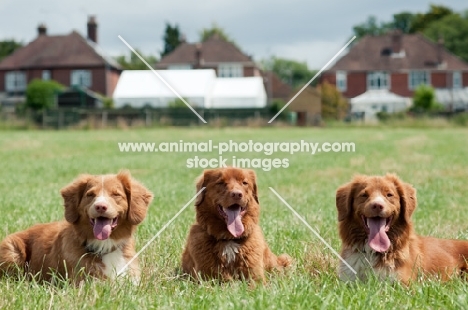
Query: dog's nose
<point>377,206</point>
<point>236,194</point>
<point>100,207</point>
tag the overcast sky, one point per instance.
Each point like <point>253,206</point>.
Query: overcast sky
<point>305,30</point>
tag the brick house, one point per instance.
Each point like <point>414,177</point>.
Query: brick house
<point>397,63</point>
<point>224,57</point>
<point>68,59</point>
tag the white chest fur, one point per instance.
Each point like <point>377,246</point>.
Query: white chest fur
<point>111,255</point>
<point>113,262</point>
<point>364,263</point>
<point>230,251</point>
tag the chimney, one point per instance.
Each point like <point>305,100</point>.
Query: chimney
<point>198,56</point>
<point>440,51</point>
<point>42,30</point>
<point>396,41</point>
<point>92,28</point>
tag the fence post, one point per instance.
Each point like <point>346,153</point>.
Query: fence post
<point>104,119</point>
<point>43,118</point>
<point>148,117</point>
<point>60,119</point>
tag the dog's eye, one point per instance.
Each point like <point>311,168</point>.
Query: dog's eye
<point>364,195</point>
<point>116,195</point>
<point>90,194</point>
<point>245,183</point>
<point>389,195</point>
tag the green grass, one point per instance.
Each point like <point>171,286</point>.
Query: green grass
<point>35,165</point>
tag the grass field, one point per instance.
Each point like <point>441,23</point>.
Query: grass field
<point>35,165</point>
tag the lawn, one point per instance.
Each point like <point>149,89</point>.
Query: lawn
<point>35,165</point>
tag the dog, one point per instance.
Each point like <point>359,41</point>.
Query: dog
<point>375,226</point>
<point>96,237</point>
<point>226,242</point>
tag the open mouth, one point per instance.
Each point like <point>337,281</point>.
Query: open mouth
<point>233,217</point>
<point>377,228</point>
<point>369,221</point>
<point>103,226</point>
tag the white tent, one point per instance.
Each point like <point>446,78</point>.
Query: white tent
<point>201,88</point>
<point>453,99</point>
<point>139,88</point>
<point>244,92</point>
<point>379,100</point>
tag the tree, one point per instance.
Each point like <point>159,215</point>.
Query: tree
<point>290,71</point>
<point>41,94</point>
<point>452,29</point>
<point>334,105</point>
<point>370,27</point>
<point>135,63</point>
<point>424,99</point>
<point>215,30</point>
<point>422,21</point>
<point>403,21</point>
<point>172,39</point>
<point>7,47</point>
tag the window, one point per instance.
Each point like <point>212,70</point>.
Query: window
<point>81,78</point>
<point>341,81</point>
<point>417,78</point>
<point>457,80</point>
<point>15,81</point>
<point>45,75</point>
<point>179,67</point>
<point>378,80</point>
<point>230,70</point>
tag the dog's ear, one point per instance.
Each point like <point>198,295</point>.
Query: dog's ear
<point>345,197</point>
<point>407,193</point>
<point>138,198</point>
<point>72,195</point>
<point>202,181</point>
<point>253,179</point>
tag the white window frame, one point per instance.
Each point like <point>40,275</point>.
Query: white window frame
<point>81,78</point>
<point>418,77</point>
<point>46,76</point>
<point>15,81</point>
<point>457,79</point>
<point>341,80</point>
<point>378,80</point>
<point>179,67</point>
<point>231,69</point>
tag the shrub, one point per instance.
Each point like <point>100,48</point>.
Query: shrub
<point>41,94</point>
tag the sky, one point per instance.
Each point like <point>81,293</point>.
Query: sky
<point>304,30</point>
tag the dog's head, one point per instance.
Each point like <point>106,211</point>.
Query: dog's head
<point>228,207</point>
<point>106,204</point>
<point>375,208</point>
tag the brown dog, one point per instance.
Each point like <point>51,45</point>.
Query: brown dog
<point>101,215</point>
<point>377,234</point>
<point>226,241</point>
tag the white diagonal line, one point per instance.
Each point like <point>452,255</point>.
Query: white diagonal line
<point>158,233</point>
<point>313,78</point>
<point>313,230</point>
<point>162,80</point>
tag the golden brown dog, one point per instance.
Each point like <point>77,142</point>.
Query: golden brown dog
<point>101,215</point>
<point>226,241</point>
<point>377,234</point>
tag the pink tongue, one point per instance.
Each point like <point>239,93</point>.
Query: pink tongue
<point>378,239</point>
<point>234,222</point>
<point>102,228</point>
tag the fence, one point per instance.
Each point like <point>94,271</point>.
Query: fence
<point>103,118</point>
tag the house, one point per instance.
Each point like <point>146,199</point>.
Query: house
<point>69,59</point>
<point>214,53</point>
<point>307,106</point>
<point>398,63</point>
<point>200,88</point>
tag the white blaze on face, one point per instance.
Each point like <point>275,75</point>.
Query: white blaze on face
<point>379,199</point>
